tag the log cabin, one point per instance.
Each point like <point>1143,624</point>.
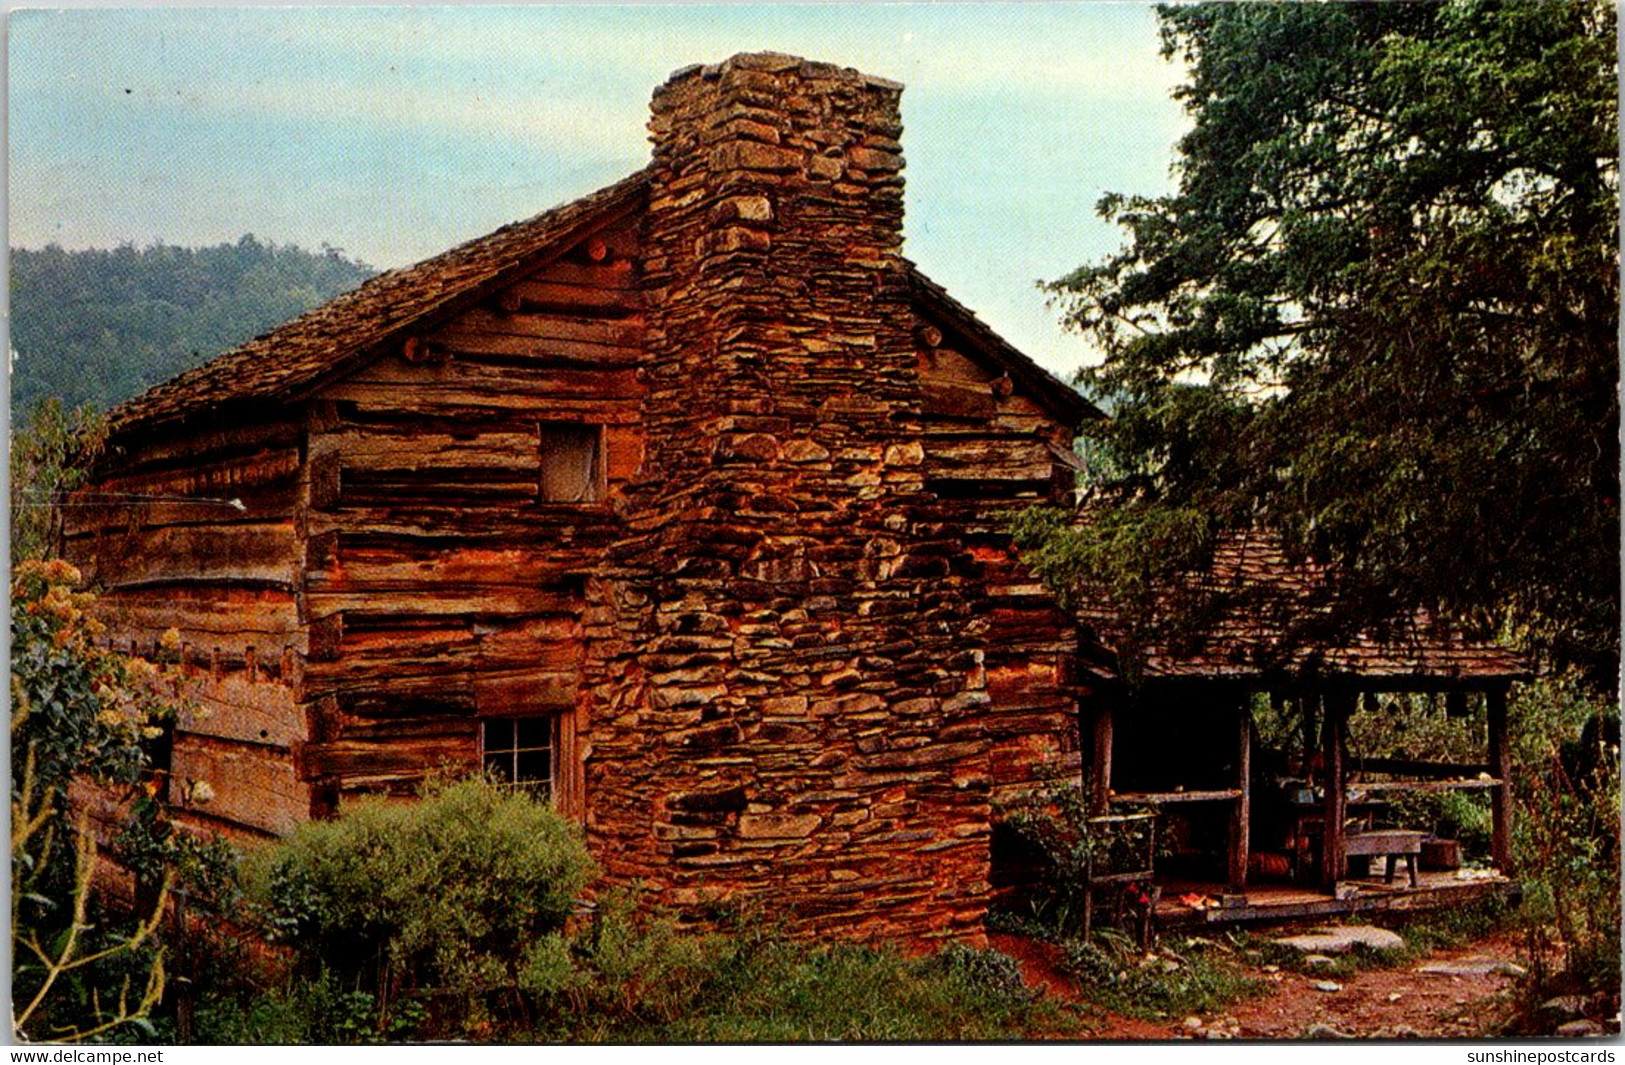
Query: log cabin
<point>680,503</point>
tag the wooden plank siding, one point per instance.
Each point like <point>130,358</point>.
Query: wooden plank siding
<point>198,535</point>
<point>450,590</point>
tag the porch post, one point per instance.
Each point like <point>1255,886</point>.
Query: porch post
<point>1500,759</point>
<point>1101,764</point>
<point>1241,814</point>
<point>1331,734</point>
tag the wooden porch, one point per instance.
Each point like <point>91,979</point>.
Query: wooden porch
<point>1289,820</point>
<point>1265,903</point>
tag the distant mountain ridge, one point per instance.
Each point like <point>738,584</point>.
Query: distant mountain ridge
<point>101,325</point>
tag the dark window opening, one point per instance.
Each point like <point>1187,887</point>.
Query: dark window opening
<point>521,752</point>
<point>571,464</point>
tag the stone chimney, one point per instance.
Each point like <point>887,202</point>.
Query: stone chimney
<point>787,708</point>
<point>774,237</point>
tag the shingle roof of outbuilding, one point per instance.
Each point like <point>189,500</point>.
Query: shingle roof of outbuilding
<point>1267,613</point>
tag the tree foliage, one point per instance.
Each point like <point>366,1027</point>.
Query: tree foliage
<point>1378,314</point>
<point>78,713</point>
<point>51,452</point>
<point>99,326</point>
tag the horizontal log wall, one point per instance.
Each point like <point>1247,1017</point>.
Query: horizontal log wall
<point>443,586</point>
<point>989,449</point>
<point>198,534</point>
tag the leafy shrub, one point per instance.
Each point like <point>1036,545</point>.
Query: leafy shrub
<point>1566,831</point>
<point>988,970</point>
<point>627,970</point>
<point>1070,846</point>
<point>438,900</point>
<point>78,712</point>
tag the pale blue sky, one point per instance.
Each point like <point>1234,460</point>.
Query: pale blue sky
<point>394,133</point>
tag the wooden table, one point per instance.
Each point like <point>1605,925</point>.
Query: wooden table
<point>1391,843</point>
<point>1309,823</point>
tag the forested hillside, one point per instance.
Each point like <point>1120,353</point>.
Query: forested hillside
<point>99,326</point>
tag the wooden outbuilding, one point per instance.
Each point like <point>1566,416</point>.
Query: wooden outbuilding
<point>1181,738</point>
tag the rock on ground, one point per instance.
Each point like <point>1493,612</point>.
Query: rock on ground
<point>1474,967</point>
<point>1580,1029</point>
<point>1343,940</point>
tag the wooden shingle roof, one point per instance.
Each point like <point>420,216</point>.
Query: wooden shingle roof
<point>351,328</point>
<point>1268,611</point>
<point>295,358</point>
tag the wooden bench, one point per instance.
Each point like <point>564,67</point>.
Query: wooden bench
<point>1391,843</point>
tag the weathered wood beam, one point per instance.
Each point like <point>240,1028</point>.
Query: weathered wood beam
<point>236,707</point>
<point>1500,758</point>
<point>1465,784</point>
<point>1412,767</point>
<point>1336,706</point>
<point>186,448</point>
<point>581,299</point>
<point>259,553</point>
<point>1163,798</point>
<point>394,761</point>
<point>613,332</point>
<point>254,785</point>
<point>1100,766</point>
<point>618,274</point>
<point>951,400</point>
<point>1241,813</point>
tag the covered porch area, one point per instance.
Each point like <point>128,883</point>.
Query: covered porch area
<point>1290,778</point>
<point>1276,803</point>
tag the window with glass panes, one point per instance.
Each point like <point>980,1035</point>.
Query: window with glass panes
<point>520,751</point>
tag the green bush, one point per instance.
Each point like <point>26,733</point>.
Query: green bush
<point>630,970</point>
<point>1566,833</point>
<point>437,902</point>
<point>78,712</point>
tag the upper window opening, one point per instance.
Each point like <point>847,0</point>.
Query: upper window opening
<point>572,464</point>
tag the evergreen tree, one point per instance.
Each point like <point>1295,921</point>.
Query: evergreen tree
<point>1379,315</point>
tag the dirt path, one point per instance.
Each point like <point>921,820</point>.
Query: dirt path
<point>1467,993</point>
<point>1471,997</point>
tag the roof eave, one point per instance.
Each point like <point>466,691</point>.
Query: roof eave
<point>1059,398</point>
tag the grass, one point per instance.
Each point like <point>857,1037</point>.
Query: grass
<point>1182,976</point>
<point>649,984</point>
<point>791,993</point>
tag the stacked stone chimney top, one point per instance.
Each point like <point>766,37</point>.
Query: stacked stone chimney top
<point>777,63</point>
